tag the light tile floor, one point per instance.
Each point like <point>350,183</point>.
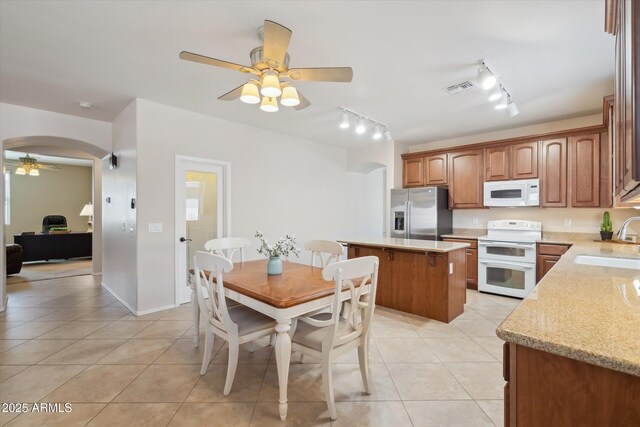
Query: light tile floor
<point>69,340</point>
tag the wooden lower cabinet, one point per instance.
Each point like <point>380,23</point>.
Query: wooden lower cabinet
<point>545,389</point>
<point>472,260</point>
<point>419,282</point>
<point>547,255</point>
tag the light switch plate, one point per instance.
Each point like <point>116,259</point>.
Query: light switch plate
<point>155,227</point>
<point>567,222</point>
<point>475,220</point>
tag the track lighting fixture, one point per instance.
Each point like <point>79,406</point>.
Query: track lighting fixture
<point>497,92</point>
<point>344,123</point>
<point>377,132</point>
<point>379,129</point>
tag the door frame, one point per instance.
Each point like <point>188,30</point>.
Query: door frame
<point>179,229</point>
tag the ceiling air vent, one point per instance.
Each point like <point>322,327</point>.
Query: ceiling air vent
<point>460,87</point>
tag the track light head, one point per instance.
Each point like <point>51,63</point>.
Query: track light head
<point>377,132</point>
<point>512,109</point>
<point>344,123</point>
<point>486,79</point>
<point>360,127</point>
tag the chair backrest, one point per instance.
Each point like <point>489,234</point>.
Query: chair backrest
<point>327,251</point>
<point>53,221</point>
<point>208,269</point>
<point>228,247</point>
<point>363,270</point>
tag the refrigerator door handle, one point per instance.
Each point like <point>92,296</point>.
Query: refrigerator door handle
<point>407,230</point>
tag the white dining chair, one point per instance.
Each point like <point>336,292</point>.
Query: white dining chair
<point>227,247</point>
<point>326,251</point>
<point>328,335</point>
<point>236,325</point>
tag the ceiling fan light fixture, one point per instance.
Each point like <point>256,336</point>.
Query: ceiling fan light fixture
<point>290,97</point>
<point>486,78</point>
<point>21,171</point>
<point>34,172</point>
<point>250,94</point>
<point>269,104</point>
<point>360,127</point>
<point>271,85</point>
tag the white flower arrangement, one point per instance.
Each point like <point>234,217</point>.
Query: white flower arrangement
<point>281,248</point>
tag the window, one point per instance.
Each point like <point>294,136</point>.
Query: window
<point>7,199</point>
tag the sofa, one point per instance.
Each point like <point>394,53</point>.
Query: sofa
<point>14,259</point>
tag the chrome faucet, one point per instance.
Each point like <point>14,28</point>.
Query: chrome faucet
<point>622,234</point>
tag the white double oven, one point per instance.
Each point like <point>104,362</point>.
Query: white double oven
<point>507,257</point>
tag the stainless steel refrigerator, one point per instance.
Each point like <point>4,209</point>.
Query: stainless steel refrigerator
<point>420,213</point>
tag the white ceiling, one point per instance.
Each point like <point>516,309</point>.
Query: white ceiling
<point>554,57</point>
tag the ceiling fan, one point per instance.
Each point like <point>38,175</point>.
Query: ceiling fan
<point>271,72</point>
<point>28,165</point>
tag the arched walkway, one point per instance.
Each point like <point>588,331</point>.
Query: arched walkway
<point>63,147</point>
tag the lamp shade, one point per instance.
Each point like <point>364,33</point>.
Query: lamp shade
<point>34,172</point>
<point>270,105</point>
<point>21,171</point>
<point>250,94</point>
<point>87,210</point>
<point>289,97</point>
<point>271,86</point>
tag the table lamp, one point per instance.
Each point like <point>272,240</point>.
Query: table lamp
<point>88,211</point>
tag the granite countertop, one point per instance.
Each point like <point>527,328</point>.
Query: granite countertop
<point>466,233</point>
<point>407,244</point>
<point>583,312</point>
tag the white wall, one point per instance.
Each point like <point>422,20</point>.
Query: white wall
<point>119,225</point>
<point>19,122</point>
<point>279,184</point>
<point>369,201</point>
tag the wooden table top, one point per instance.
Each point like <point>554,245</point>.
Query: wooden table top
<point>297,284</point>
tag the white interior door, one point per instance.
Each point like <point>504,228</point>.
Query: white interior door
<point>200,199</point>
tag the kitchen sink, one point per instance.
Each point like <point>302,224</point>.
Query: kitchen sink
<point>605,261</point>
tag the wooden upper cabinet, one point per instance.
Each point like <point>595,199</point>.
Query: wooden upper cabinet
<point>553,173</point>
<point>496,163</point>
<point>466,170</point>
<point>413,172</point>
<point>524,160</point>
<point>435,169</point>
<point>584,170</point>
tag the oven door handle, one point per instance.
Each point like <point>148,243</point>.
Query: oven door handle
<point>507,245</point>
<point>511,266</point>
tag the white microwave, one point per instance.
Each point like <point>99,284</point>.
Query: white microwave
<point>520,192</point>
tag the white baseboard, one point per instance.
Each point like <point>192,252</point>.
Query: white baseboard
<point>97,274</point>
<point>136,312</point>
<point>155,309</point>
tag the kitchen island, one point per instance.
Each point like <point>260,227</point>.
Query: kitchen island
<point>422,277</point>
<point>572,351</point>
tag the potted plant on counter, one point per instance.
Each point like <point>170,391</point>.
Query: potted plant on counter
<point>606,228</point>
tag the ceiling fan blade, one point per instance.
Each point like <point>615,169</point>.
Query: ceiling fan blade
<point>329,74</point>
<point>194,57</point>
<point>233,94</point>
<point>276,43</point>
<point>304,102</point>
